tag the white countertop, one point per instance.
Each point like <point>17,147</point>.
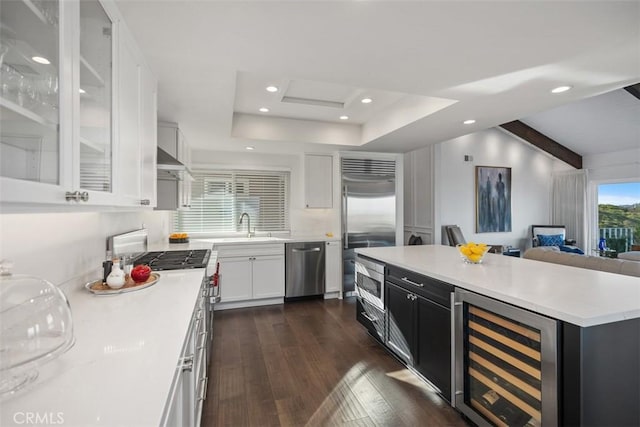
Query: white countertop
<point>575,295</point>
<point>120,369</point>
<point>208,243</point>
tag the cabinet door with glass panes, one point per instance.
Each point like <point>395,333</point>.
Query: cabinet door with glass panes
<point>56,98</point>
<point>33,101</point>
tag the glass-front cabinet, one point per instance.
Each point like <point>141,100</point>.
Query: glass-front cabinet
<point>96,97</point>
<point>30,97</point>
<point>506,363</point>
<point>64,129</point>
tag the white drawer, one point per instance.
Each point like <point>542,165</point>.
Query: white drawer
<point>244,250</point>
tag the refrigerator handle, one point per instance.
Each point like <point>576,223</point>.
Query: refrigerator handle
<point>345,232</point>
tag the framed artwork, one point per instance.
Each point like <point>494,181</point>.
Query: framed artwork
<point>493,199</point>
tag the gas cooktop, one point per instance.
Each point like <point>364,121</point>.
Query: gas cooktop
<point>175,260</point>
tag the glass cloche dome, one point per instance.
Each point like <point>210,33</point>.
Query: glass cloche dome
<point>35,327</point>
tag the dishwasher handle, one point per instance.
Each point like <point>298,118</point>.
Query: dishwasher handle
<point>306,250</point>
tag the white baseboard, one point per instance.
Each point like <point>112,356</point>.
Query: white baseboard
<point>248,303</point>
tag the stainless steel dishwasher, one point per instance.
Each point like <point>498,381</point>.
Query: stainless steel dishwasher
<point>304,275</point>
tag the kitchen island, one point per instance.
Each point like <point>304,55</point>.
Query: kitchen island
<point>123,363</point>
<point>582,366</point>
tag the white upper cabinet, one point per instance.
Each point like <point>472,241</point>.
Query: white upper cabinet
<point>148,138</point>
<point>137,121</point>
<point>71,129</point>
<point>174,186</point>
<point>318,184</point>
<point>419,194</point>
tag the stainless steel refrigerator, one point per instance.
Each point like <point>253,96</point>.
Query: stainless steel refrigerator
<point>368,210</point>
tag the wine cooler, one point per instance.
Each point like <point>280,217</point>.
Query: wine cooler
<point>506,363</point>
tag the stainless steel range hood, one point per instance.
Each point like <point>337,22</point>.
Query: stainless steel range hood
<point>170,168</point>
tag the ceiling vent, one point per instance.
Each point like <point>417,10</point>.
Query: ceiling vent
<point>309,101</point>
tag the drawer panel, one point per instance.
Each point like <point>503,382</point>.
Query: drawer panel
<point>427,287</point>
<point>245,250</point>
<point>371,318</point>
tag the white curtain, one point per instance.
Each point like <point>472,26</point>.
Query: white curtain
<point>569,205</point>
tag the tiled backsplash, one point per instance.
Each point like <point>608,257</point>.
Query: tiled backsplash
<point>61,247</point>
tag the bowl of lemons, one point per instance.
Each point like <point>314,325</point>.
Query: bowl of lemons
<point>179,238</point>
<point>473,253</point>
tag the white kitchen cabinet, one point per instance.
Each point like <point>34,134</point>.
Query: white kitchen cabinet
<point>333,266</point>
<point>318,180</point>
<point>61,123</point>
<point>250,273</point>
<point>174,186</point>
<point>148,138</point>
<point>236,278</point>
<point>268,276</point>
<point>136,113</point>
<point>419,194</point>
<point>188,390</point>
<point>252,277</point>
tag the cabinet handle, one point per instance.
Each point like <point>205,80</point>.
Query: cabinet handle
<point>369,318</point>
<point>69,196</point>
<point>187,364</point>
<point>411,297</point>
<point>203,394</point>
<point>145,202</point>
<point>411,282</point>
<point>76,196</point>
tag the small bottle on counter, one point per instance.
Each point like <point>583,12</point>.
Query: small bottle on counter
<point>116,279</point>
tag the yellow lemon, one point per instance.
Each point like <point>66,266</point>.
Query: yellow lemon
<point>475,257</point>
<point>465,250</point>
<point>477,250</point>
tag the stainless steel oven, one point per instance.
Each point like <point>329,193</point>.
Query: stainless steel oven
<point>370,281</point>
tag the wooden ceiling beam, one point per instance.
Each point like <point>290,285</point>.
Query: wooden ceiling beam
<point>543,142</point>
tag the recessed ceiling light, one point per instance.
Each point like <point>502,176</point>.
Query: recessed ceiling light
<point>272,89</point>
<point>41,60</point>
<point>249,148</point>
<point>82,90</point>
<point>366,100</point>
<point>264,110</point>
<point>344,117</point>
<point>560,89</point>
<point>469,122</point>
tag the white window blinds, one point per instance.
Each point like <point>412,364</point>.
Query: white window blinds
<point>218,198</point>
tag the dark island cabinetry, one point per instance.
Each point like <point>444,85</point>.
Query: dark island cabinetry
<point>534,344</point>
<point>419,325</point>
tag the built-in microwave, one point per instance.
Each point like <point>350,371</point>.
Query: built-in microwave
<point>370,281</point>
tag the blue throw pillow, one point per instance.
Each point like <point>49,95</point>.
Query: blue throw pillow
<point>550,239</point>
<point>571,249</point>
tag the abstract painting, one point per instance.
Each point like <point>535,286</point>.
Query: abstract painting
<point>493,199</point>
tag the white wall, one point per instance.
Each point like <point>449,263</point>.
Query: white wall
<point>531,172</point>
<point>62,247</point>
<point>302,221</point>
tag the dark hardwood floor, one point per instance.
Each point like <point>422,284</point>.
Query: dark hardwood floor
<point>310,363</point>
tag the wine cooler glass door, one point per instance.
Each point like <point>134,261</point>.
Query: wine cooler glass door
<point>506,363</point>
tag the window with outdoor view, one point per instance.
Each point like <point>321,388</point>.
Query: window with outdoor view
<point>218,198</point>
<point>619,215</point>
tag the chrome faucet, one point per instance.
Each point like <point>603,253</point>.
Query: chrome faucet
<point>248,222</point>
